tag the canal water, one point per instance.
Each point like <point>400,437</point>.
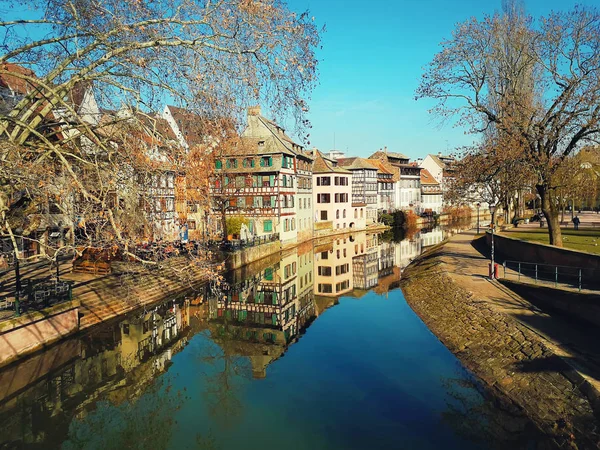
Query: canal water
<point>314,350</point>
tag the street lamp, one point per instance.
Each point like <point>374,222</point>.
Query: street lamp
<point>492,271</point>
<point>478,205</point>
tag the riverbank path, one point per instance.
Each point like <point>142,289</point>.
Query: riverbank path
<point>467,258</point>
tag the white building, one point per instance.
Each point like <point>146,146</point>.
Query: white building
<point>440,168</point>
<point>431,194</point>
<point>364,187</point>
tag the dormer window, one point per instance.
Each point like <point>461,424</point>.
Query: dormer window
<point>261,143</point>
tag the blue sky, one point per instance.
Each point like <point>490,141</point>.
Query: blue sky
<point>371,63</point>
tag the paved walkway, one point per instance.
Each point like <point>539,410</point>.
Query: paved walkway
<point>105,297</point>
<point>575,341</point>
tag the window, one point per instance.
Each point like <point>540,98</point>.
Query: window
<point>324,255</point>
<point>337,213</point>
<point>323,215</point>
<point>293,223</point>
<point>191,224</point>
<point>341,286</point>
<point>324,271</point>
<point>340,270</point>
<point>323,198</point>
<point>266,161</point>
<point>344,214</point>
<point>325,288</point>
<point>125,328</point>
<point>268,225</point>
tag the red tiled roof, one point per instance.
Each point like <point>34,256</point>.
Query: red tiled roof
<point>11,77</point>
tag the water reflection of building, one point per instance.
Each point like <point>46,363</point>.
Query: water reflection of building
<point>364,262</point>
<point>406,250</point>
<point>269,308</point>
<point>40,396</point>
<point>333,266</point>
<point>431,237</point>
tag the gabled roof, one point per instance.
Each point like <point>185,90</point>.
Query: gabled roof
<point>441,160</point>
<point>427,178</point>
<point>261,146</point>
<point>385,155</point>
<point>397,155</point>
<point>190,125</point>
<point>77,94</point>
<point>324,165</point>
<point>356,163</point>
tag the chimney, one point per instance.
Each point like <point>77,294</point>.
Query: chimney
<point>385,149</point>
<point>254,110</point>
<point>439,153</point>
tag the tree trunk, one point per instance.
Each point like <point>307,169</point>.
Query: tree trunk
<point>551,214</point>
<point>224,220</point>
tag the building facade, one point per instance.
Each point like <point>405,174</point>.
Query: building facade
<point>364,187</point>
<point>332,195</point>
<point>431,194</point>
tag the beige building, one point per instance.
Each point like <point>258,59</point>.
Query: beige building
<point>332,196</point>
<point>333,267</point>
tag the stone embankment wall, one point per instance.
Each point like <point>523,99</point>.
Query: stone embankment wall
<point>510,359</point>
<point>32,331</point>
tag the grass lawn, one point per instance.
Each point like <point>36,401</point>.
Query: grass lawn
<point>584,239</point>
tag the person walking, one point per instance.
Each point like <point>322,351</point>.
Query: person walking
<point>576,222</point>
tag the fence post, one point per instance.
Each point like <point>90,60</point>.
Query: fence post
<point>519,271</point>
<point>579,280</point>
<point>536,275</point>
<point>556,278</point>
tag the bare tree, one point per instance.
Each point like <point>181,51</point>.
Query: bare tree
<point>559,54</point>
<point>81,81</point>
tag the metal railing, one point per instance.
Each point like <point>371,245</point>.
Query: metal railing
<point>238,244</point>
<point>552,275</point>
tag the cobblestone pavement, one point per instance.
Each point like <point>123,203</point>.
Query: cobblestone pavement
<point>489,330</point>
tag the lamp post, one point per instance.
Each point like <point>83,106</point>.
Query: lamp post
<point>478,205</point>
<point>492,271</point>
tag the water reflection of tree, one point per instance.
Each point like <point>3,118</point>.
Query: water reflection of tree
<point>486,419</point>
<point>146,423</point>
<point>224,370</point>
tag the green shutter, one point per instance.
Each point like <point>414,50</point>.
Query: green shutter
<point>270,161</point>
<point>218,164</point>
<point>272,180</point>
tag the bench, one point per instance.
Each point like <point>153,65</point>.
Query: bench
<point>95,267</point>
